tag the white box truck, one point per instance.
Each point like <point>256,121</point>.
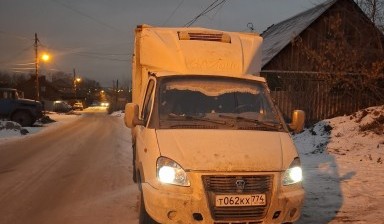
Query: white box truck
<point>209,145</point>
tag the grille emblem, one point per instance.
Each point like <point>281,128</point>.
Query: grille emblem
<point>240,185</point>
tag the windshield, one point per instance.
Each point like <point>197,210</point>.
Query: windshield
<point>9,94</point>
<point>207,102</point>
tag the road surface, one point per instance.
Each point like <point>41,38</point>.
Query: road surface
<point>79,173</point>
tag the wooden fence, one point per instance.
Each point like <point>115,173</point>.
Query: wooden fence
<point>319,101</point>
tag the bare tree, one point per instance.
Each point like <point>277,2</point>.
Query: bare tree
<point>374,10</point>
<point>345,66</point>
<point>11,79</point>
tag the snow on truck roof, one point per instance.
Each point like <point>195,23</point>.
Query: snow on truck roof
<point>244,76</point>
<point>195,50</point>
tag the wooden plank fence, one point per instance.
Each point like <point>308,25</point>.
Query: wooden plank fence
<point>319,102</point>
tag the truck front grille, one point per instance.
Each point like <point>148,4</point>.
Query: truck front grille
<point>254,184</point>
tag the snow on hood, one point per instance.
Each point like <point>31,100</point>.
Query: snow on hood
<point>29,101</point>
<point>225,150</point>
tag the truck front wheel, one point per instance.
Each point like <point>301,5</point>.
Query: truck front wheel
<point>144,217</point>
<point>134,171</point>
<point>23,118</point>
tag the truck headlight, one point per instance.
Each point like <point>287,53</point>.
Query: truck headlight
<point>294,174</point>
<point>169,172</point>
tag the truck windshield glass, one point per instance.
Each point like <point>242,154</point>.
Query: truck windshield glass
<point>228,103</point>
<point>8,95</point>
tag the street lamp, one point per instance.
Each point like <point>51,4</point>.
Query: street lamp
<point>44,57</point>
<point>75,82</point>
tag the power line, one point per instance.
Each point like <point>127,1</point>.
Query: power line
<point>82,51</point>
<point>15,55</point>
<point>100,57</point>
<point>105,54</point>
<point>87,16</point>
<point>173,13</point>
<point>15,36</point>
<point>23,64</point>
<point>218,10</point>
<point>211,7</point>
<point>22,68</point>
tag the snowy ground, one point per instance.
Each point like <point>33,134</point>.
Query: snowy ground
<point>343,164</point>
<point>13,131</point>
<point>342,159</point>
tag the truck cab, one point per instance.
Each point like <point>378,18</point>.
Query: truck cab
<point>23,111</point>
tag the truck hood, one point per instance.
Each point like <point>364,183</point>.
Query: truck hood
<point>29,102</point>
<point>226,150</point>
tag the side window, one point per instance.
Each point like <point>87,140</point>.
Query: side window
<point>148,101</point>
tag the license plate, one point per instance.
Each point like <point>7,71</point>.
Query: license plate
<point>240,200</point>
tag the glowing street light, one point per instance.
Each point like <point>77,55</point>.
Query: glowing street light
<point>45,57</point>
<point>76,81</point>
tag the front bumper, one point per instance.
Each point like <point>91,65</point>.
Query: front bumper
<point>174,204</point>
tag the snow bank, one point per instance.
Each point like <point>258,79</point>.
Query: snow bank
<point>12,130</point>
<point>343,168</point>
<point>358,133</point>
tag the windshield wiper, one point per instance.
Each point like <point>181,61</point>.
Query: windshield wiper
<point>255,121</point>
<point>195,118</point>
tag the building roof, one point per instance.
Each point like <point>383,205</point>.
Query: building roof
<point>277,36</point>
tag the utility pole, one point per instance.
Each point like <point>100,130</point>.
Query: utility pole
<point>116,93</point>
<point>37,97</point>
<point>74,83</point>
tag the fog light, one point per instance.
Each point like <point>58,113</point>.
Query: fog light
<point>172,215</point>
<point>197,216</point>
<point>276,215</point>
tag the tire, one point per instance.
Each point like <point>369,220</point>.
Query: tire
<point>134,171</point>
<point>144,217</point>
<point>23,118</point>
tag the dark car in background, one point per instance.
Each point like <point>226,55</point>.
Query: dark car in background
<point>78,106</point>
<point>61,107</point>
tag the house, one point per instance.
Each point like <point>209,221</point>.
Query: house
<point>47,90</point>
<point>312,60</point>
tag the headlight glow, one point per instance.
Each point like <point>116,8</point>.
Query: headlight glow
<point>169,172</point>
<point>294,174</point>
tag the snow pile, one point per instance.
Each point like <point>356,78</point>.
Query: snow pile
<point>342,161</point>
<point>10,128</point>
<point>359,133</point>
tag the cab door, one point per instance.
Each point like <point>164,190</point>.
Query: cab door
<point>146,149</point>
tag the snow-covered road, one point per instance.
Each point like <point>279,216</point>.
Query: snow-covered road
<point>78,173</point>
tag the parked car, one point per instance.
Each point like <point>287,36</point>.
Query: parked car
<point>78,106</point>
<point>104,104</point>
<point>61,107</point>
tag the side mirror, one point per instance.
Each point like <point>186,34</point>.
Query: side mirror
<point>131,118</point>
<point>298,120</point>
